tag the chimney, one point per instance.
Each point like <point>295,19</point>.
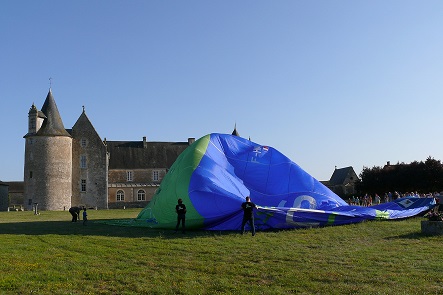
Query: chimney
<point>388,163</point>
<point>191,140</point>
<point>145,145</point>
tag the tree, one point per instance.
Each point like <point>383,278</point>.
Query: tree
<point>423,177</point>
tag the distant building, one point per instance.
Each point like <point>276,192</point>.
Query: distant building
<point>4,198</point>
<point>74,167</point>
<point>136,169</point>
<point>342,181</point>
<point>390,167</point>
<point>16,190</point>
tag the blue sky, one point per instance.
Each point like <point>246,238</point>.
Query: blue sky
<point>327,83</point>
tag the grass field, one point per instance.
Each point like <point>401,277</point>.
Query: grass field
<point>48,254</point>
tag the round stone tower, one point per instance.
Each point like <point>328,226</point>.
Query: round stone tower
<point>48,159</point>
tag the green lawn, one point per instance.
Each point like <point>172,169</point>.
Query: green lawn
<point>48,254</point>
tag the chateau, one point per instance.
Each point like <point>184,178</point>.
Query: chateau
<point>75,167</point>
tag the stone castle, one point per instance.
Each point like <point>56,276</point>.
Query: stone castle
<point>75,167</point>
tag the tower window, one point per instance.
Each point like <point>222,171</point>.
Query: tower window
<point>30,174</point>
<point>83,161</point>
<point>83,142</point>
<point>83,185</point>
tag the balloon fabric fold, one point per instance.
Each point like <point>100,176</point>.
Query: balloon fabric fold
<point>215,174</point>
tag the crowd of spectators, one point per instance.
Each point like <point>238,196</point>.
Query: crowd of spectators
<point>369,200</point>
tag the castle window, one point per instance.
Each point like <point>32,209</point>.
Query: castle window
<point>83,185</point>
<point>141,195</point>
<point>83,142</point>
<point>120,195</point>
<point>30,174</point>
<point>83,161</point>
<point>129,176</point>
<point>155,175</point>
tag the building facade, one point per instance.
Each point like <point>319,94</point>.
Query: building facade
<point>15,195</point>
<point>4,196</point>
<point>74,167</point>
<point>343,181</point>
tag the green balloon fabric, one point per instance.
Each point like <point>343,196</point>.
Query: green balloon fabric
<point>175,186</point>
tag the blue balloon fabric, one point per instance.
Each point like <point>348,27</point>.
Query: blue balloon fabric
<point>227,168</point>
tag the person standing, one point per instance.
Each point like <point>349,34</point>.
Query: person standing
<point>377,199</point>
<point>180,209</point>
<point>85,216</point>
<point>248,215</point>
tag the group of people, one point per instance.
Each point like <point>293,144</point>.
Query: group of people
<point>248,215</point>
<point>75,212</point>
<point>367,199</point>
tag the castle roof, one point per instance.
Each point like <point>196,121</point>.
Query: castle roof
<point>235,132</point>
<point>143,154</point>
<point>33,109</point>
<point>53,124</point>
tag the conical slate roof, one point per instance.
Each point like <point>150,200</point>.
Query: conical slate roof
<point>53,124</point>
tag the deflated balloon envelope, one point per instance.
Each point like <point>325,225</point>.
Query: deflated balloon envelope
<point>215,174</point>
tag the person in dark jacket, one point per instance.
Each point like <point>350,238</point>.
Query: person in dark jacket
<point>248,215</point>
<point>75,212</point>
<point>180,209</point>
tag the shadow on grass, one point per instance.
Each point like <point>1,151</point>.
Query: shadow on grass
<point>98,228</point>
<point>412,236</point>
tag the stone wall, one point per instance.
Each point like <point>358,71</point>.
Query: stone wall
<point>138,175</point>
<point>48,172</point>
<point>130,193</point>
<point>88,145</point>
<point>4,200</point>
<point>126,205</point>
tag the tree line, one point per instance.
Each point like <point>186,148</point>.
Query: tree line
<point>422,177</point>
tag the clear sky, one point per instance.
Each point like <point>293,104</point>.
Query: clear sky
<point>327,83</point>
